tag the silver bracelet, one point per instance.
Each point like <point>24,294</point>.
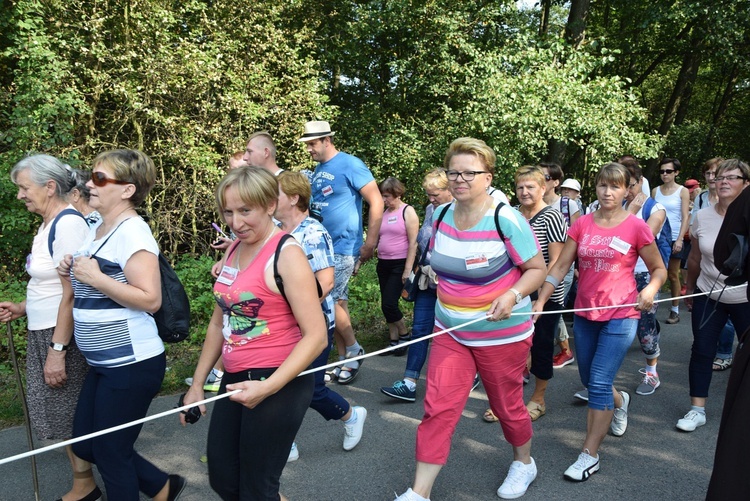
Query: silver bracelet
<point>553,281</point>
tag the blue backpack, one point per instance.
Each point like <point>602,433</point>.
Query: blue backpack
<point>664,242</point>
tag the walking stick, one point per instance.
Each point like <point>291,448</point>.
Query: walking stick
<point>26,419</point>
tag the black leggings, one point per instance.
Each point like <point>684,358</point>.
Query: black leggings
<point>248,448</point>
<point>389,276</point>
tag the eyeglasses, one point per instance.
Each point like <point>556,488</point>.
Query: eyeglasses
<point>101,179</point>
<point>709,174</point>
<point>547,177</point>
<point>666,171</point>
<point>632,185</point>
<point>728,178</point>
<point>465,175</point>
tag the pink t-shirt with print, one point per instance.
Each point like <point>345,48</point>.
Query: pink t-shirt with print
<point>606,260</point>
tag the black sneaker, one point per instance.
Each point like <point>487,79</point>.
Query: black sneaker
<point>177,484</point>
<point>400,391</point>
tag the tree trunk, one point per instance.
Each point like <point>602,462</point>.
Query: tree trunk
<point>682,88</point>
<point>720,112</point>
<point>575,28</point>
<point>544,19</point>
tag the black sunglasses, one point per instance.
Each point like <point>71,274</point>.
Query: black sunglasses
<point>666,171</point>
<point>101,179</point>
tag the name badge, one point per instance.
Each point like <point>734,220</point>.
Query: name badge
<point>327,190</point>
<point>619,245</point>
<point>227,275</point>
<point>393,220</point>
<point>474,261</point>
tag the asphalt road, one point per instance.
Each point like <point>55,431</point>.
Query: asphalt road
<point>653,460</point>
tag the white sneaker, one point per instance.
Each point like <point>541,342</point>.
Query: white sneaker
<point>620,419</point>
<point>410,495</point>
<point>518,480</point>
<point>353,433</point>
<point>585,466</point>
<point>691,421</point>
<point>293,453</point>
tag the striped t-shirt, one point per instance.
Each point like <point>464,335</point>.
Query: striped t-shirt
<point>474,267</point>
<point>550,227</point>
<point>107,333</point>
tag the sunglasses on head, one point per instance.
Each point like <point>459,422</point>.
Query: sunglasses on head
<point>666,171</point>
<point>101,179</point>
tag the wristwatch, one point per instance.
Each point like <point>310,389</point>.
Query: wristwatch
<point>519,296</point>
<point>58,346</point>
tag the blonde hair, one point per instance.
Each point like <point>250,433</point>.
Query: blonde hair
<point>296,183</point>
<point>132,166</point>
<point>255,186</point>
<point>533,172</point>
<point>471,146</point>
<point>614,173</point>
<point>435,179</point>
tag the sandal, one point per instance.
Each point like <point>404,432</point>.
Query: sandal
<point>536,410</point>
<point>722,364</point>
<point>489,416</point>
<point>332,374</point>
<point>347,374</point>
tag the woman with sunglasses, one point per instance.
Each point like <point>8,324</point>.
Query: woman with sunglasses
<point>710,313</point>
<point>676,200</point>
<point>607,244</point>
<point>487,262</point>
<point>115,280</point>
<point>55,367</point>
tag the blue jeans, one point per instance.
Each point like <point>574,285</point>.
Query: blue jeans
<point>327,402</point>
<point>648,326</point>
<point>706,337</point>
<point>600,349</point>
<point>726,341</point>
<point>422,325</point>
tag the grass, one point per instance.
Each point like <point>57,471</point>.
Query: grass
<point>364,308</point>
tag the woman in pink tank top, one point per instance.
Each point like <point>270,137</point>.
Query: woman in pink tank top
<point>265,340</point>
<point>397,248</point>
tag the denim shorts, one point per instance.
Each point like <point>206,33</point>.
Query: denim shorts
<point>342,271</point>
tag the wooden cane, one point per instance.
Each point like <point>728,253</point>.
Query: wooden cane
<point>26,418</point>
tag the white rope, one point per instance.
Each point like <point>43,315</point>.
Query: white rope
<point>311,371</point>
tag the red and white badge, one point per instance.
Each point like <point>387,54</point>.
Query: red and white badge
<point>474,261</point>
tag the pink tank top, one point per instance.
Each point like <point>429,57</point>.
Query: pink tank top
<point>393,242</point>
<point>259,328</point>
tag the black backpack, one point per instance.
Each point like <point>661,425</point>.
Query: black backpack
<point>173,317</point>
<point>53,229</point>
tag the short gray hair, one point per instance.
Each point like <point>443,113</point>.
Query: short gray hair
<point>43,168</point>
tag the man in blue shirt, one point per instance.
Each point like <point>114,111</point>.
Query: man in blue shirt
<point>339,184</point>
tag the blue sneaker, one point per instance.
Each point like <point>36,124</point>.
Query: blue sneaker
<point>400,391</point>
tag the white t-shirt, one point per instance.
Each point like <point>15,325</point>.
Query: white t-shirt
<point>706,228</point>
<point>44,291</point>
<point>107,333</point>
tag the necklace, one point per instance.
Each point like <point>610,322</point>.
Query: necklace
<point>470,219</point>
<point>254,252</point>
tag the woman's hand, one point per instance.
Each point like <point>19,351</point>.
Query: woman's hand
<point>194,394</point>
<point>252,394</point>
<point>637,203</point>
<point>677,245</point>
<point>86,269</point>
<point>54,369</point>
<point>536,308</point>
<point>645,300</point>
<point>216,269</point>
<point>11,311</point>
<point>405,276</point>
<point>221,243</point>
<point>501,307</point>
<point>689,300</point>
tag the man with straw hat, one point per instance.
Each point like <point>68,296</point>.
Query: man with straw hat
<point>339,184</point>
